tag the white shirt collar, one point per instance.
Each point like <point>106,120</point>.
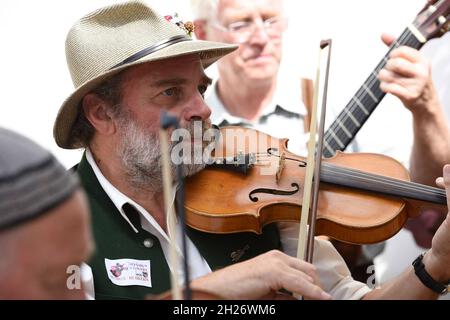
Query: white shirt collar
<point>288,102</point>
<point>119,199</point>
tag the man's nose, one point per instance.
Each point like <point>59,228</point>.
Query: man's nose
<point>197,110</point>
<point>259,34</point>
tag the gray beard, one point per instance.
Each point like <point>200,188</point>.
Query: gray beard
<point>140,153</point>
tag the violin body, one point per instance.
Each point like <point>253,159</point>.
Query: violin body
<point>271,190</point>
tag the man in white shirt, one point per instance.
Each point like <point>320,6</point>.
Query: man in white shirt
<point>122,84</point>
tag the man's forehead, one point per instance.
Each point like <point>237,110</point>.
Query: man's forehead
<point>231,7</point>
<point>176,65</point>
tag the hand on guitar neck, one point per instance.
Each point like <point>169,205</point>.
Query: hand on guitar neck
<point>407,75</point>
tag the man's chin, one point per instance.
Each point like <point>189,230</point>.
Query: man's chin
<point>262,74</point>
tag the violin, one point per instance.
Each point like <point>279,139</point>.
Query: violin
<point>253,180</point>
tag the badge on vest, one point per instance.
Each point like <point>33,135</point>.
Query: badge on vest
<point>129,272</point>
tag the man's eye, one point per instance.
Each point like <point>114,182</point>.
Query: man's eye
<point>239,26</point>
<point>170,92</point>
<point>272,21</point>
<point>202,89</point>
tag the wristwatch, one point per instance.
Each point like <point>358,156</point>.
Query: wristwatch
<point>426,279</point>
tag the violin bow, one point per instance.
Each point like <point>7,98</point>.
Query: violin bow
<point>305,247</point>
<point>166,122</point>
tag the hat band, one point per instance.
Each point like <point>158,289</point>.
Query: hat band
<point>158,46</point>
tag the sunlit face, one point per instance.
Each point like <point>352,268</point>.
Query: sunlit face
<point>46,249</point>
<point>176,86</point>
<point>258,57</point>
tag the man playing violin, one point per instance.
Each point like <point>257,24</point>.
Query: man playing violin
<point>125,74</point>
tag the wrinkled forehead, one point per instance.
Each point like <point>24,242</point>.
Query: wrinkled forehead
<point>232,9</point>
<point>181,65</point>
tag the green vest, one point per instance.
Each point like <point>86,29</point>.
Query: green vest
<point>115,239</point>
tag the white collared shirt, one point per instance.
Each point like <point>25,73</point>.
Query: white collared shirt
<point>284,117</point>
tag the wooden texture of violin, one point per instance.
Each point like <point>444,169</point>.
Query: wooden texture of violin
<point>224,201</point>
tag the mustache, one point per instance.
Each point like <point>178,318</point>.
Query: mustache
<point>203,124</point>
<point>193,129</point>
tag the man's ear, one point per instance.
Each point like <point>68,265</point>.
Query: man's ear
<point>96,112</point>
<point>200,29</point>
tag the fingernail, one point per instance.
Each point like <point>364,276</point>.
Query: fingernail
<point>326,296</point>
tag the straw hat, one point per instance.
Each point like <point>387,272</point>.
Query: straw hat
<point>114,38</point>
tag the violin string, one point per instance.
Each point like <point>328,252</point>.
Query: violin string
<point>401,185</point>
<point>366,177</point>
<point>397,187</point>
<point>363,176</point>
<point>406,37</point>
<point>286,158</point>
<point>406,184</point>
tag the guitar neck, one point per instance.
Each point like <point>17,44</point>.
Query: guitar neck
<point>342,131</point>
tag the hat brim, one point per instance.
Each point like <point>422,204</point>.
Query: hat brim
<point>208,51</point>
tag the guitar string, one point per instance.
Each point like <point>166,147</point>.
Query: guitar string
<point>353,106</point>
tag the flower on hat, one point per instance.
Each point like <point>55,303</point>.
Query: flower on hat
<point>187,27</point>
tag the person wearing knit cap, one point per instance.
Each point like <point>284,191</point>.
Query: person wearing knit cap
<point>44,222</point>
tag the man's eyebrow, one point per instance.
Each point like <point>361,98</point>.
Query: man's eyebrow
<point>178,81</point>
<point>170,82</point>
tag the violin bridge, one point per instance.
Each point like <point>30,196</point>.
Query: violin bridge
<point>280,167</point>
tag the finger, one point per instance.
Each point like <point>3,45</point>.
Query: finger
<point>446,176</point>
<point>387,76</point>
<point>297,283</point>
<point>440,182</point>
<point>304,267</point>
<point>387,38</point>
<point>410,54</point>
<point>406,89</point>
<point>395,89</point>
<point>402,67</point>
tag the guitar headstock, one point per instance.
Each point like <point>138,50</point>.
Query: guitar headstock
<point>434,19</point>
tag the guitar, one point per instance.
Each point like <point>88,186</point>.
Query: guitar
<point>432,22</point>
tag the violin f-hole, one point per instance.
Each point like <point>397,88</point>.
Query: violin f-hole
<point>273,191</point>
